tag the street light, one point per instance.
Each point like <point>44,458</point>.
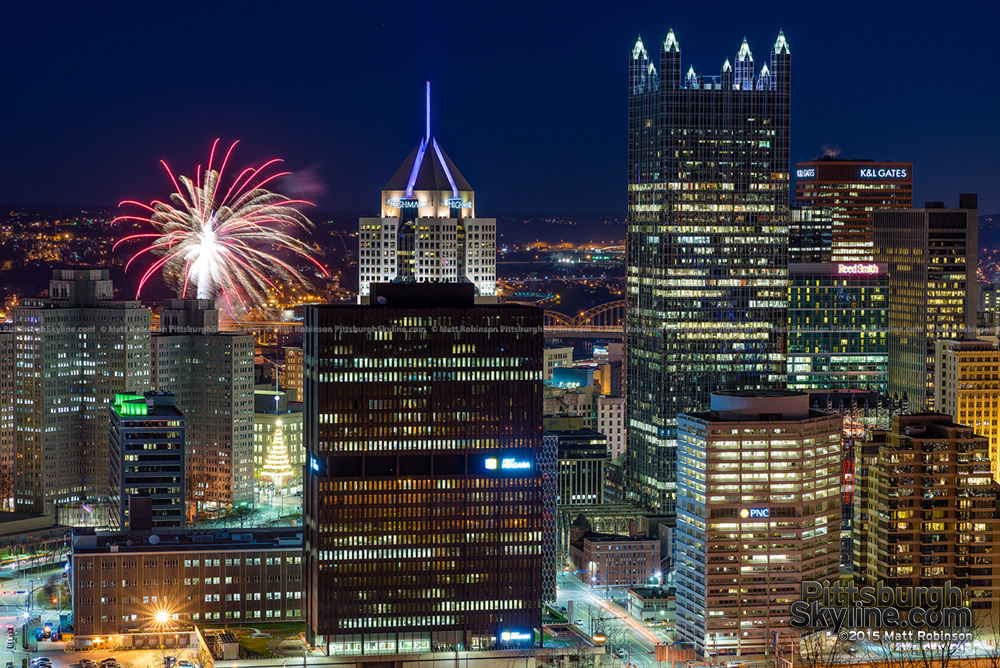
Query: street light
<point>162,617</point>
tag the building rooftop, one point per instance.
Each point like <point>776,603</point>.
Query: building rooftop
<point>88,541</point>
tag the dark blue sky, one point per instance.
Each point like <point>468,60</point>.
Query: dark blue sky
<point>529,99</point>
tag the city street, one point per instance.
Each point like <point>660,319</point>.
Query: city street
<point>589,605</point>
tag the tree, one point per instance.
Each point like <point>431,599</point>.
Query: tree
<point>277,465</point>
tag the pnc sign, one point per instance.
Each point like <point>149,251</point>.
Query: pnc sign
<point>755,513</point>
<point>858,268</point>
<point>872,173</point>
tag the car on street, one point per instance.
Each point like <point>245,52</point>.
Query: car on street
<point>579,622</point>
<point>185,664</point>
<point>10,664</point>
<point>88,663</point>
<point>108,662</point>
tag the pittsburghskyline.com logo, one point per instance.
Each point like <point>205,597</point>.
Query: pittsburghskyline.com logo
<point>885,613</point>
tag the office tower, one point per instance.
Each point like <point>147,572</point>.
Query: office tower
<point>707,245</point>
<point>967,387</point>
<point>74,351</point>
<point>611,560</point>
<point>582,465</point>
<point>428,230</point>
<point>277,424</point>
<point>837,326</point>
<point>930,256</point>
<point>611,423</point>
<point>810,235</point>
<point>211,375</point>
<point>7,430</point>
<point>424,500</point>
<point>927,511</point>
<point>147,457</point>
<point>853,190</point>
<point>758,513</point>
<point>291,371</point>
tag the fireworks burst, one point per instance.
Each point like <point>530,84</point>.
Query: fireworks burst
<point>223,244</point>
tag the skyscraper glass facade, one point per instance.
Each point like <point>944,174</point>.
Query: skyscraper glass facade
<point>837,326</point>
<point>424,500</point>
<point>707,245</point>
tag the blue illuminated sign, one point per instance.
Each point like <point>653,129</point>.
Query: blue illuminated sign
<point>458,203</point>
<point>507,464</point>
<point>805,173</point>
<point>398,203</point>
<point>755,513</point>
<point>509,636</point>
<point>314,464</point>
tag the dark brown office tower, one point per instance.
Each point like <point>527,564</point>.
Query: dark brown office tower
<point>853,190</point>
<point>424,500</point>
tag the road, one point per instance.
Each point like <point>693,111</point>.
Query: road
<point>589,604</point>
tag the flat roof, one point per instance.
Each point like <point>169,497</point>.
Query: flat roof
<point>184,540</point>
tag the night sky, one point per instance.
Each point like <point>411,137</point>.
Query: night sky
<point>530,99</point>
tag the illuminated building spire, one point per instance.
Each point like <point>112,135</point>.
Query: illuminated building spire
<point>670,43</point>
<point>639,50</point>
<point>691,79</point>
<point>727,74</point>
<point>764,80</point>
<point>744,67</point>
<point>780,45</point>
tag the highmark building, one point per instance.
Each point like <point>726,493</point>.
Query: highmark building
<point>428,230</point>
<point>707,245</point>
<point>837,316</point>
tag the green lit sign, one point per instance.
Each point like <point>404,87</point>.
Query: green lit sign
<point>130,404</point>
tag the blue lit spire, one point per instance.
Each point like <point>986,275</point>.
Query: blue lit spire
<point>691,79</point>
<point>744,67</point>
<point>670,43</point>
<point>780,45</point>
<point>764,80</point>
<point>639,50</point>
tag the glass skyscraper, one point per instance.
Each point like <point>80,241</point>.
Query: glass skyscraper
<point>707,245</point>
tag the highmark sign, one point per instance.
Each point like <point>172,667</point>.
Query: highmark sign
<point>508,636</point>
<point>872,173</point>
<point>755,513</point>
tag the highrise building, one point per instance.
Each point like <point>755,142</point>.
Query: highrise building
<point>611,423</point>
<point>211,373</point>
<point>810,235</point>
<point>931,257</point>
<point>428,230</point>
<point>758,513</point>
<point>582,466</point>
<point>927,512</point>
<point>424,500</point>
<point>967,387</point>
<point>147,457</point>
<point>74,351</point>
<point>837,326</point>
<point>853,190</point>
<point>707,245</point>
<point>7,428</point>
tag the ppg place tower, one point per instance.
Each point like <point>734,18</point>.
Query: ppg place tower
<point>708,203</point>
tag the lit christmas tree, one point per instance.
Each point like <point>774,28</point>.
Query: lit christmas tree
<point>277,467</point>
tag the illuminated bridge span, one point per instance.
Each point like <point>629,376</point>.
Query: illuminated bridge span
<point>601,320</point>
